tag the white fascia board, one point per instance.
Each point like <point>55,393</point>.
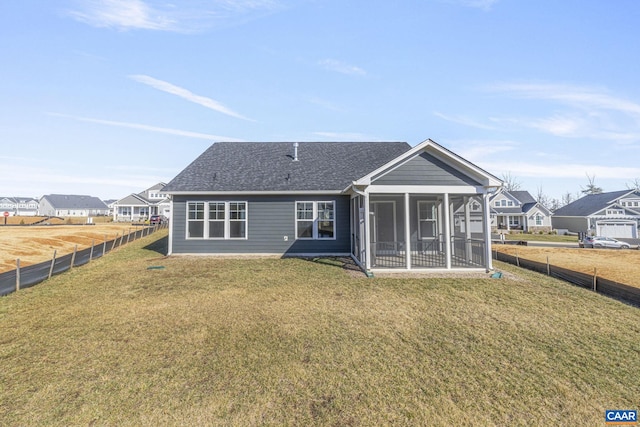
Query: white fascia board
<point>253,193</point>
<point>425,189</point>
<point>440,153</point>
<point>445,155</point>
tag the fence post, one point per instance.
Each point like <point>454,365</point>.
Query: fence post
<point>595,278</point>
<point>517,259</point>
<point>91,253</point>
<point>114,242</point>
<point>73,257</point>
<point>128,235</point>
<point>548,273</point>
<point>104,246</point>
<point>53,262</point>
<point>17,274</point>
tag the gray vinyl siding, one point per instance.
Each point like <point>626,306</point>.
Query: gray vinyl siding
<point>424,170</point>
<point>269,219</point>
<point>572,223</point>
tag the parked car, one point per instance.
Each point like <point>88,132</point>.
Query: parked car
<point>586,242</point>
<point>156,219</point>
<point>605,242</point>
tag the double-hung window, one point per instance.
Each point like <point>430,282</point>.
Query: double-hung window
<point>427,220</point>
<point>216,220</point>
<point>315,220</point>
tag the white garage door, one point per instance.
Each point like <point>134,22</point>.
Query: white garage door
<point>617,230</point>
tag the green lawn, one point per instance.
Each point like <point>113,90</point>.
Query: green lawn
<point>293,342</point>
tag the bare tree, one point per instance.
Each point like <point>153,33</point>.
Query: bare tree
<point>634,185</point>
<point>543,199</point>
<point>591,188</point>
<point>566,199</point>
<point>510,182</point>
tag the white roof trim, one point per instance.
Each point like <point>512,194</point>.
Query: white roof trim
<point>441,153</point>
<point>252,193</point>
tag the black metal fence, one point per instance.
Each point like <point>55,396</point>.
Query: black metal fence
<point>25,277</point>
<point>620,291</point>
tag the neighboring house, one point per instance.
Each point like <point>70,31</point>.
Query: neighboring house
<point>71,205</point>
<point>613,214</point>
<point>518,210</point>
<point>140,206</point>
<point>385,204</point>
<point>19,206</point>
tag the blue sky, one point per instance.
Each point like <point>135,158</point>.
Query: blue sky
<point>108,97</point>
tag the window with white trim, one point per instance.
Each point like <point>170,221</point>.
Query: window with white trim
<point>315,220</point>
<point>216,220</point>
<point>538,219</point>
<point>427,220</point>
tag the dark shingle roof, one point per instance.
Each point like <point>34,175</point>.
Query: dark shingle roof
<point>590,204</point>
<point>269,166</point>
<point>68,201</point>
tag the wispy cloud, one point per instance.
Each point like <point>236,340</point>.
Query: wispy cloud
<point>341,67</point>
<point>139,126</point>
<point>159,15</point>
<point>346,136</point>
<point>123,14</point>
<point>578,112</point>
<point>563,170</point>
<point>478,4</point>
<point>576,96</point>
<point>187,95</point>
<point>462,120</point>
<point>476,150</point>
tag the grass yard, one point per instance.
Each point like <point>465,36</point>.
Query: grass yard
<point>206,341</point>
<point>622,266</point>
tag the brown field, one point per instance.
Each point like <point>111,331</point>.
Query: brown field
<point>622,266</point>
<point>36,243</point>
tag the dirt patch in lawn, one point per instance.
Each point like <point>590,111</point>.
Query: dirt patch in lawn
<point>35,244</point>
<point>622,266</point>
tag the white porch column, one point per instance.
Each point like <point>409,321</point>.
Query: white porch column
<point>447,231</point>
<point>407,230</point>
<point>487,232</point>
<point>367,231</point>
<point>467,228</point>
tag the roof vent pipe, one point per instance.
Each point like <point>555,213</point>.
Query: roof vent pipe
<point>295,151</point>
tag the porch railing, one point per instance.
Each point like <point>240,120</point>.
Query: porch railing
<point>465,253</point>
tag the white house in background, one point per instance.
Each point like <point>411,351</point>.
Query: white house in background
<point>140,206</point>
<point>518,210</point>
<point>19,206</point>
<point>71,205</point>
<point>612,214</point>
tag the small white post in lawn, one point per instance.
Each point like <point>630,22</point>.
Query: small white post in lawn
<point>73,257</point>
<point>595,278</point>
